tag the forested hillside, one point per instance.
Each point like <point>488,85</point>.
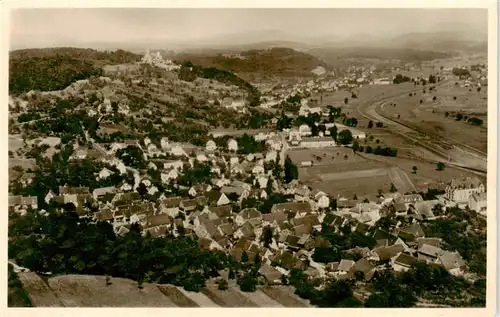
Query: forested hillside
<point>56,68</point>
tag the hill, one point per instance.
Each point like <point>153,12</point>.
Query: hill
<point>94,291</point>
<point>260,64</point>
<point>336,54</point>
<point>56,68</point>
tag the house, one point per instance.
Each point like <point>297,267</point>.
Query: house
<point>411,232</point>
<point>199,189</point>
<point>232,145</point>
<point>173,164</point>
<point>164,143</point>
<point>435,242</point>
<point>303,207</point>
<point>413,198</point>
<point>304,130</point>
<point>262,182</point>
<point>307,242</point>
<point>49,196</point>
<point>23,202</point>
<point>201,157</point>
<point>452,262</point>
<point>216,198</point>
<point>346,204</point>
<point>424,208</point>
<point>292,242</point>
<point>104,173</point>
<point>170,175</point>
<point>157,220</point>
<point>272,275</point>
<point>356,134</point>
<point>403,262</point>
<point>104,215</point>
<point>222,211</point>
<point>237,183</point>
<point>188,205</point>
<point>271,156</point>
<point>177,150</point>
<point>246,215</point>
<point>170,206</point>
<point>428,253</point>
<point>211,146</point>
<point>274,142</point>
<point>232,190</point>
<point>362,265</point>
<point>387,253</point>
<point>258,169</point>
<point>459,190</point>
<point>219,182</point>
<point>66,190</point>
<point>345,266</point>
<point>99,192</point>
<point>478,203</point>
<point>400,208</point>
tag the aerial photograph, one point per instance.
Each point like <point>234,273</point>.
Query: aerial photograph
<point>177,157</point>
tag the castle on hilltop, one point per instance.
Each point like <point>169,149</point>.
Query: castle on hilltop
<point>156,59</point>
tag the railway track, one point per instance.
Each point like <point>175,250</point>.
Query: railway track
<point>406,129</point>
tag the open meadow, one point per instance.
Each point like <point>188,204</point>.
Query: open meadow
<point>96,291</point>
<point>435,113</point>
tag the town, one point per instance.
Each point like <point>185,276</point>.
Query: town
<point>162,170</point>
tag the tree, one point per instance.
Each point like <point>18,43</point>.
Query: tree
<point>244,257</point>
<point>421,101</point>
<point>459,117</point>
<point>414,168</point>
<point>333,132</point>
<point>248,283</point>
<point>393,188</point>
<point>440,166</point>
<point>222,284</point>
<point>346,100</point>
<point>434,98</point>
<point>132,156</point>
<point>142,190</point>
<point>432,79</point>
<point>370,124</point>
<point>291,170</point>
<point>267,236</point>
<point>355,146</point>
<point>345,137</point>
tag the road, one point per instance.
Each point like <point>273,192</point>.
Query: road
<point>449,152</point>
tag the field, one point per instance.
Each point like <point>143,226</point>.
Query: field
<point>92,291</point>
<point>328,156</point>
<point>426,175</point>
<point>364,174</point>
<point>342,172</point>
<point>430,115</point>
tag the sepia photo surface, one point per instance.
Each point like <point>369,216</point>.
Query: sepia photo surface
<point>259,157</point>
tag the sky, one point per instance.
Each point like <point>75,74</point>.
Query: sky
<point>59,27</point>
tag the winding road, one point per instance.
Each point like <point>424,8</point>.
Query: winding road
<point>436,150</point>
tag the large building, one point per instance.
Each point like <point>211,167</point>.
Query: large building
<point>478,203</point>
<point>316,142</point>
<point>459,191</point>
<point>356,134</point>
